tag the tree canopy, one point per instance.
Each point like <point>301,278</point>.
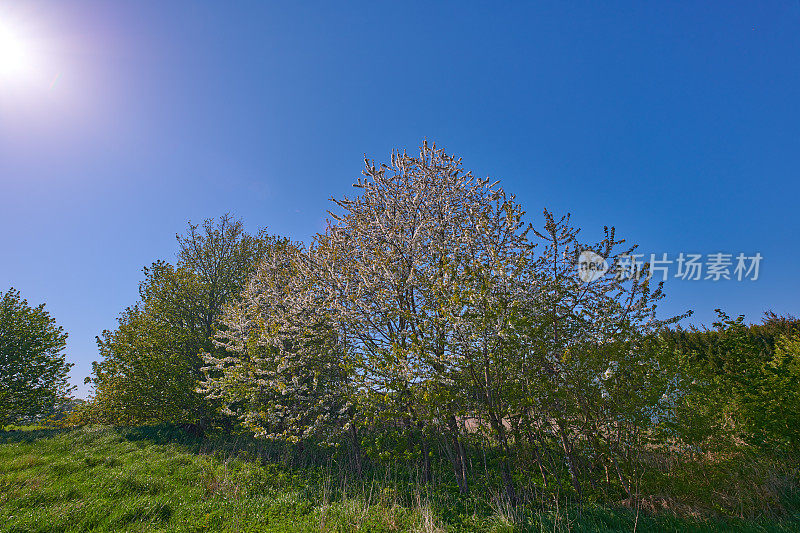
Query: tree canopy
<point>151,363</point>
<point>33,367</point>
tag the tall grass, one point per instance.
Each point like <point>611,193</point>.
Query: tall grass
<point>165,479</point>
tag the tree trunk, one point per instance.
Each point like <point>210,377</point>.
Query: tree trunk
<point>576,484</point>
<point>508,479</point>
<point>458,459</point>
<point>426,460</point>
<point>355,453</point>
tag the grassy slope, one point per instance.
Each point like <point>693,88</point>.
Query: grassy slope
<point>106,479</point>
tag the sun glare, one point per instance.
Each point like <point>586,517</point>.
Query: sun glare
<point>19,61</point>
<point>14,57</point>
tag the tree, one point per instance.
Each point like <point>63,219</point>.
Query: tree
<point>283,371</point>
<point>486,280</point>
<point>589,381</point>
<point>151,363</point>
<point>400,265</point>
<point>146,373</point>
<point>778,410</point>
<point>33,367</point>
<point>740,384</point>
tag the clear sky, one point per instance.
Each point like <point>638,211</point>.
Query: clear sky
<point>676,122</point>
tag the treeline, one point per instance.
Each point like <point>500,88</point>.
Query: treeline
<point>432,326</point>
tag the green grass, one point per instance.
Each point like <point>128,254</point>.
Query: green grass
<point>162,479</point>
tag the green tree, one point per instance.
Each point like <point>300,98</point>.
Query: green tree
<point>584,378</point>
<point>151,363</point>
<point>739,384</point>
<point>33,367</point>
<point>780,413</point>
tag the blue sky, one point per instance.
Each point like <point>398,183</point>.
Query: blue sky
<point>676,122</point>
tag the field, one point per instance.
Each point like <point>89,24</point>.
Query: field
<point>164,479</point>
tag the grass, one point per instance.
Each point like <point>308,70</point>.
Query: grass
<point>163,479</point>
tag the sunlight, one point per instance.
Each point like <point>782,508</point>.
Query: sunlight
<point>17,60</point>
<point>26,59</point>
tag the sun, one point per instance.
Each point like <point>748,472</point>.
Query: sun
<point>17,60</point>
